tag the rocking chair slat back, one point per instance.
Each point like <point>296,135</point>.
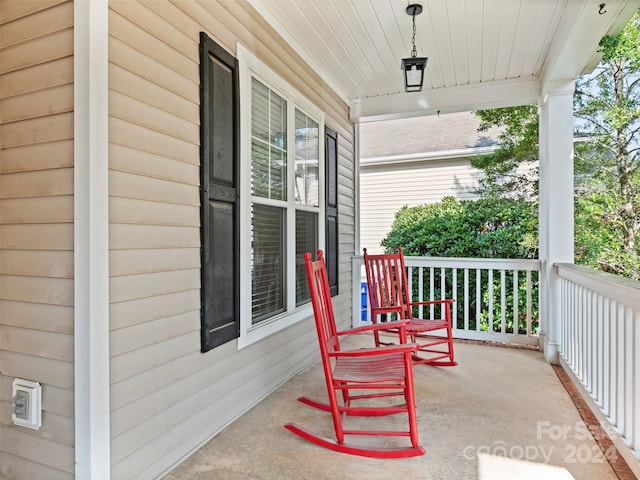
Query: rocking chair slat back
<point>387,285</point>
<point>390,300</point>
<point>322,307</point>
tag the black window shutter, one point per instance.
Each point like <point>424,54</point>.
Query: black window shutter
<point>219,163</point>
<point>331,208</point>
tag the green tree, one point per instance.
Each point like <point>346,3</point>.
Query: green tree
<point>598,237</point>
<point>607,109</point>
<point>511,170</point>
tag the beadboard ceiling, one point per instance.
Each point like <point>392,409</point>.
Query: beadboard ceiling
<point>481,52</point>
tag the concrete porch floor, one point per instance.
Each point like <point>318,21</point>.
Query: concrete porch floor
<point>498,402</point>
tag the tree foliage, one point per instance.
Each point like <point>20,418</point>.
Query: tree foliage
<point>607,109</point>
<point>512,170</point>
<point>599,242</point>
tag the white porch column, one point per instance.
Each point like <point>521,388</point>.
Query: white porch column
<point>91,241</point>
<point>556,207</point>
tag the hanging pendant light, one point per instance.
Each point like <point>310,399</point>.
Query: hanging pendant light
<point>414,66</point>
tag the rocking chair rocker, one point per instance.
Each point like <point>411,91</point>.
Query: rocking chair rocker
<point>364,375</point>
<point>390,296</point>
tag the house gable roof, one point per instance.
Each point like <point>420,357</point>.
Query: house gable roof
<point>430,136</point>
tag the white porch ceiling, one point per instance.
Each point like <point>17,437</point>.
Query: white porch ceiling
<point>482,53</point>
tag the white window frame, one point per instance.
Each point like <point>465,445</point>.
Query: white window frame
<point>251,67</point>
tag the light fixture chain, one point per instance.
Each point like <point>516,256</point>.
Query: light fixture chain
<point>414,52</point>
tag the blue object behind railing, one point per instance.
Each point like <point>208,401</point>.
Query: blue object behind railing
<point>363,301</point>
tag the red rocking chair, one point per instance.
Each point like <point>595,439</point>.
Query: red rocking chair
<point>363,376</point>
<point>389,295</point>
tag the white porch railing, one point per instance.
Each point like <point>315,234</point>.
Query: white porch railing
<point>600,317</point>
<point>496,299</point>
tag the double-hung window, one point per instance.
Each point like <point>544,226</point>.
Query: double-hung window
<point>282,198</point>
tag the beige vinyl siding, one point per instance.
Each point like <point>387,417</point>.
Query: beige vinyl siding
<point>36,232</point>
<point>167,397</point>
<point>384,189</point>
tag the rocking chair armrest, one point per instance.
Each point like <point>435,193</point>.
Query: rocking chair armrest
<point>384,350</point>
<point>393,309</point>
<point>375,326</point>
<point>446,301</point>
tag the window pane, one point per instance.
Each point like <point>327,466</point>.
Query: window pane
<point>306,241</point>
<point>278,122</point>
<point>278,180</point>
<point>259,111</point>
<point>268,143</point>
<point>259,168</point>
<point>307,160</point>
<point>267,261</point>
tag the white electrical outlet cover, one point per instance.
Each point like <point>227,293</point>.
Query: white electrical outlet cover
<point>33,418</point>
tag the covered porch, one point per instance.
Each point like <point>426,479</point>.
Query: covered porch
<point>497,403</point>
<point>503,412</point>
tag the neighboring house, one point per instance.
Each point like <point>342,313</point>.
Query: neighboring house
<point>414,161</point>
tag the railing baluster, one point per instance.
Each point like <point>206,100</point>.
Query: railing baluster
<point>621,374</point>
<point>593,367</point>
<point>572,323</point>
<point>503,302</point>
<point>606,357</point>
<point>443,289</point>
<point>410,281</point>
<point>529,300</point>
<point>490,306</point>
<point>431,291</point>
<point>628,375</point>
<point>582,332</point>
<point>516,313</point>
<point>572,326</point>
<point>599,350</point>
<point>635,385</point>
<point>594,344</point>
<point>577,323</point>
<point>613,409</point>
<point>454,307</point>
<point>563,319</point>
<point>478,298</point>
<point>420,290</point>
<point>588,351</point>
<point>466,299</point>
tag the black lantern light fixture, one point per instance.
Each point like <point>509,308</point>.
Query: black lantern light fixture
<point>414,66</point>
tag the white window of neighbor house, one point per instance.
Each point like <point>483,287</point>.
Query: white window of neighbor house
<point>282,198</point>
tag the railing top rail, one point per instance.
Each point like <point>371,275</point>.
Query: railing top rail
<point>616,288</point>
<point>471,263</point>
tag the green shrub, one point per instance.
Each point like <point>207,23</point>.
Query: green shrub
<point>485,228</point>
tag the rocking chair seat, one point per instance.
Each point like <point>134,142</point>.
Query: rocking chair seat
<point>419,325</point>
<point>370,370</point>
